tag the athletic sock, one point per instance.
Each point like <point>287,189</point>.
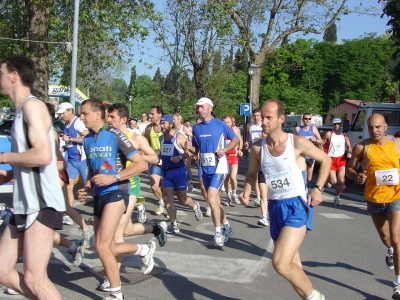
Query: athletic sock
<point>398,279</point>
<point>142,250</point>
<point>140,207</point>
<point>117,292</point>
<point>313,296</point>
<point>229,195</point>
<point>265,216</point>
<point>156,230</point>
<point>226,225</point>
<point>234,192</point>
<point>218,229</point>
<point>390,250</point>
<point>73,246</point>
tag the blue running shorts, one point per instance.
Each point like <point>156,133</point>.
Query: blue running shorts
<point>77,167</point>
<point>155,169</point>
<point>214,180</point>
<point>292,212</point>
<point>176,178</point>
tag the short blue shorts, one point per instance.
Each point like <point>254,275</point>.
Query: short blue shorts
<point>77,167</point>
<point>176,178</point>
<point>214,180</point>
<point>155,169</point>
<point>102,200</point>
<point>292,212</point>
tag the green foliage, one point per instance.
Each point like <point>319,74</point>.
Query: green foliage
<point>114,92</point>
<point>330,34</point>
<point>392,10</point>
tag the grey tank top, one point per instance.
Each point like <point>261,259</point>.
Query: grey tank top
<point>35,188</point>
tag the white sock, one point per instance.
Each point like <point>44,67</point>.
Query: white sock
<point>226,225</point>
<point>140,207</point>
<point>218,229</point>
<point>313,296</point>
<point>162,200</point>
<point>117,292</point>
<point>390,250</point>
<point>398,279</point>
<point>234,192</point>
<point>142,250</point>
<point>265,216</point>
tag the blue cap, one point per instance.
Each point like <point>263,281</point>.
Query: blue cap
<point>336,120</point>
<point>166,118</point>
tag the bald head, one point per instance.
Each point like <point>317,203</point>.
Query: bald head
<point>376,127</point>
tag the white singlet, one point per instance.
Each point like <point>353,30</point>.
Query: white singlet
<point>337,145</point>
<point>282,175</point>
<point>255,133</point>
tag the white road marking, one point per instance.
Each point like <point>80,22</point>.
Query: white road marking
<point>335,216</point>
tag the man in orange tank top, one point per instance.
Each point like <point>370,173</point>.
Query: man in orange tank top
<point>379,156</point>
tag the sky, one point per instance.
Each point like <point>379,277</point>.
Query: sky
<point>349,27</point>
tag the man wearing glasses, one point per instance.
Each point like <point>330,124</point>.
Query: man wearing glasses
<point>335,143</point>
<point>311,133</point>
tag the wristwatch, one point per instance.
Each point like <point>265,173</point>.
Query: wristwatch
<point>117,177</point>
<point>320,188</point>
<point>180,157</point>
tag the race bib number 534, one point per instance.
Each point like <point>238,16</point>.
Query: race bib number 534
<point>280,182</point>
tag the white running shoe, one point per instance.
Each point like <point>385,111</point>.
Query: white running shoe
<point>197,212</point>
<point>104,286</point>
<point>160,208</point>
<point>236,199</point>
<point>257,202</point>
<point>208,212</point>
<point>263,221</point>
<point>88,237</point>
<point>190,186</point>
<point>219,239</point>
<point>142,214</point>
<point>336,201</point>
<point>10,291</point>
<point>147,260</point>
<point>67,220</point>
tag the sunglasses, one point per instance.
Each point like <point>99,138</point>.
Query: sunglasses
<point>306,118</point>
<point>336,124</point>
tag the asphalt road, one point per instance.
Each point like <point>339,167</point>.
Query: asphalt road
<point>342,256</point>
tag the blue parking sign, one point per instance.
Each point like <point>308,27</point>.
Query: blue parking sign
<point>245,109</point>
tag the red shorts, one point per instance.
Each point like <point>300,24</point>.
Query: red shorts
<point>233,159</point>
<point>338,162</point>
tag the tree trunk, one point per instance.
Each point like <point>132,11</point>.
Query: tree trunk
<point>39,11</point>
<point>256,79</point>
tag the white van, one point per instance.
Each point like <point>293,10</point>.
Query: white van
<point>358,130</point>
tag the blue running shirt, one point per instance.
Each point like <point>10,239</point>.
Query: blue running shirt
<point>107,154</point>
<point>208,137</point>
<point>169,149</point>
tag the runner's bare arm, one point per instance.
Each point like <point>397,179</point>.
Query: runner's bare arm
<point>305,147</point>
<point>230,146</point>
<point>238,134</point>
<point>348,145</point>
<point>141,144</point>
<point>317,136</point>
<point>39,123</point>
<point>252,173</point>
<point>356,157</point>
<point>296,130</point>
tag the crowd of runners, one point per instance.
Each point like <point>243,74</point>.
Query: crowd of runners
<point>108,151</point>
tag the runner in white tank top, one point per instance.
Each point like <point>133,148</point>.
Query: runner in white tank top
<point>254,133</point>
<point>281,156</point>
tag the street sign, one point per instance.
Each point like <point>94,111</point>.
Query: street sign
<point>245,109</point>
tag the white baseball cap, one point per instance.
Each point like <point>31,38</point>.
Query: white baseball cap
<point>63,107</point>
<point>203,101</point>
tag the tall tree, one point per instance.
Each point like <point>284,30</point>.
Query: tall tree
<point>159,78</point>
<point>131,82</point>
<point>104,30</point>
<point>280,19</point>
<point>330,34</point>
<point>391,9</point>
<point>190,33</point>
